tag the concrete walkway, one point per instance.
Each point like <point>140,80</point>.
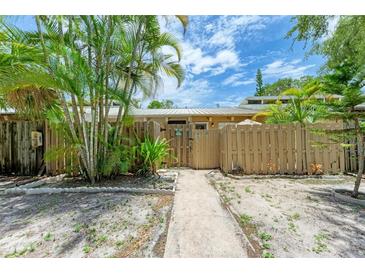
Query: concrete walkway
<point>200,226</point>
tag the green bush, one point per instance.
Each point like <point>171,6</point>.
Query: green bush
<point>152,153</point>
<point>119,160</point>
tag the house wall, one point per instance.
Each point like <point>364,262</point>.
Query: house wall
<point>213,121</point>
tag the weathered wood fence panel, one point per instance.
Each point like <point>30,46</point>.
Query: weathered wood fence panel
<point>17,154</point>
<point>64,159</point>
<point>279,149</point>
<point>68,161</point>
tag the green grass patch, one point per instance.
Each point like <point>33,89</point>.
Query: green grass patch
<point>47,237</point>
<point>86,249</point>
<point>320,240</point>
<point>28,249</point>
<point>292,227</point>
<point>266,254</point>
<point>245,219</point>
<point>265,236</point>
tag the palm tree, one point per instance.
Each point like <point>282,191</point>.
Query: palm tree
<point>85,62</point>
<point>302,108</point>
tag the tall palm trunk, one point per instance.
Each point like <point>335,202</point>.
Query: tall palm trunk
<point>128,88</point>
<point>360,157</point>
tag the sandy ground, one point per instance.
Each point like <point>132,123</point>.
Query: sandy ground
<point>200,226</point>
<point>83,225</point>
<point>295,217</point>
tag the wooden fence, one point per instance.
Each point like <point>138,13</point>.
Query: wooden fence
<point>253,149</point>
<point>68,162</point>
<point>17,152</point>
<point>279,149</point>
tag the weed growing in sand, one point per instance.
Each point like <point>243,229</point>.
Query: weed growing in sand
<point>245,219</point>
<point>266,254</point>
<point>119,244</point>
<point>47,237</point>
<point>292,227</point>
<point>86,249</point>
<point>226,199</point>
<point>265,236</point>
<point>320,243</point>
<point>28,249</point>
<point>248,189</point>
<point>77,228</point>
<point>100,239</point>
<point>295,216</point>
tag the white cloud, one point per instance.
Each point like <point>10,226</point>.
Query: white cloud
<point>245,82</point>
<point>211,44</point>
<point>281,68</point>
<point>233,78</point>
<point>238,79</point>
<point>230,101</point>
<point>193,93</point>
<point>198,62</point>
<point>229,27</point>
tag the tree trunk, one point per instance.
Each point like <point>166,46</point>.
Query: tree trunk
<point>303,130</point>
<point>128,87</point>
<point>360,157</point>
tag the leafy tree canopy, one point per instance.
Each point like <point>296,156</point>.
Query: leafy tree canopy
<point>259,83</point>
<point>155,104</point>
<point>343,45</point>
<point>284,84</point>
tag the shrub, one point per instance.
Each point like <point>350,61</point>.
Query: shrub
<point>119,160</point>
<point>152,154</point>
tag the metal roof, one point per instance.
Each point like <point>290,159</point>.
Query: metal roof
<point>255,107</point>
<point>113,112</point>
<point>285,97</point>
<point>360,107</point>
<point>191,112</point>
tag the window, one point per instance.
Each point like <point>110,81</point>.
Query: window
<point>251,102</point>
<point>201,125</point>
<point>177,122</point>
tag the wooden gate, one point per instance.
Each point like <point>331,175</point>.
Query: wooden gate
<point>193,148</point>
<point>205,149</point>
<point>180,145</point>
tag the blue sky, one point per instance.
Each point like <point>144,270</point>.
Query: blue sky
<point>221,55</point>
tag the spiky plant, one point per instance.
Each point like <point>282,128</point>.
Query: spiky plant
<point>153,153</point>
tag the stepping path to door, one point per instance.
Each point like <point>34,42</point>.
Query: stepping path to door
<point>200,226</point>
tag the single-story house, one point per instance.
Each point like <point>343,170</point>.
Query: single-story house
<point>202,118</point>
